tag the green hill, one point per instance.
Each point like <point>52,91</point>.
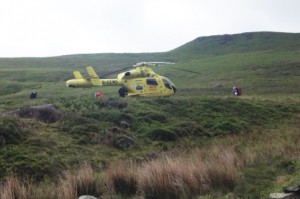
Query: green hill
<point>239,43</point>
<point>260,62</point>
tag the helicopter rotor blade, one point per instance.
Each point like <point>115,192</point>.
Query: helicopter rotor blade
<point>144,64</point>
<point>190,71</point>
<point>152,63</point>
<point>115,72</point>
<point>135,65</point>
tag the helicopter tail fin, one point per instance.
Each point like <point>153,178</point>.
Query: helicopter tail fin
<point>77,75</point>
<point>93,76</point>
<point>91,72</point>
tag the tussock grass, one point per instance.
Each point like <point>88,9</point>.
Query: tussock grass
<point>76,183</point>
<point>121,178</point>
<point>13,188</point>
<point>230,165</point>
<point>190,176</point>
<point>260,146</point>
<point>182,176</point>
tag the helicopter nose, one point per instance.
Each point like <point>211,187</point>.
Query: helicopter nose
<point>68,83</point>
<point>174,89</point>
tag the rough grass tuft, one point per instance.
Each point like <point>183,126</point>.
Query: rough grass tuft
<point>188,177</point>
<point>122,178</point>
<point>12,188</point>
<point>82,182</point>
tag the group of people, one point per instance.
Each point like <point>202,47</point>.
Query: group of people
<point>236,91</point>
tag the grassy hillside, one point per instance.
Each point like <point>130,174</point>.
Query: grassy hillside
<point>244,134</point>
<point>256,73</point>
<point>262,62</point>
<point>201,141</point>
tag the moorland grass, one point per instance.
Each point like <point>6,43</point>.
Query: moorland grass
<point>234,164</point>
<point>254,148</point>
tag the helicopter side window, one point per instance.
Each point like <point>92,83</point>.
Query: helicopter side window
<point>151,82</point>
<point>167,84</point>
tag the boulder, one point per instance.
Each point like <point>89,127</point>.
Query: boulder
<point>123,142</point>
<point>46,113</point>
<point>284,196</point>
<point>87,197</point>
<point>124,124</point>
<point>291,192</point>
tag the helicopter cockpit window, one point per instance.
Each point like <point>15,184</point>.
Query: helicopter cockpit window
<point>167,84</point>
<point>151,82</point>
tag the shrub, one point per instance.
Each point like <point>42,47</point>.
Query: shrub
<point>10,131</point>
<point>113,103</point>
<point>38,167</point>
<point>46,113</point>
<point>189,128</point>
<point>123,142</point>
<point>113,116</point>
<point>230,125</point>
<point>162,135</point>
<point>78,125</point>
<point>152,116</point>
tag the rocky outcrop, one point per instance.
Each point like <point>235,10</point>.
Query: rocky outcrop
<point>45,113</point>
<point>123,142</point>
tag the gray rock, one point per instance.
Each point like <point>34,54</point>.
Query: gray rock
<point>284,196</point>
<point>123,142</point>
<point>46,113</point>
<point>124,124</point>
<point>87,197</point>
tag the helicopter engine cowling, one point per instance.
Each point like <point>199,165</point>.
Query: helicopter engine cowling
<point>130,74</point>
<point>138,72</point>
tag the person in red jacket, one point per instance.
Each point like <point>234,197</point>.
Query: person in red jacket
<point>98,94</point>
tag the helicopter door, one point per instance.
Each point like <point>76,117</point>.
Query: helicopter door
<point>151,82</point>
<point>152,85</point>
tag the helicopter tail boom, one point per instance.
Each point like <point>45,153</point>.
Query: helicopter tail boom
<point>92,80</point>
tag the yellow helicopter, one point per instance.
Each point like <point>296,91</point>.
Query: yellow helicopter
<point>141,81</point>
